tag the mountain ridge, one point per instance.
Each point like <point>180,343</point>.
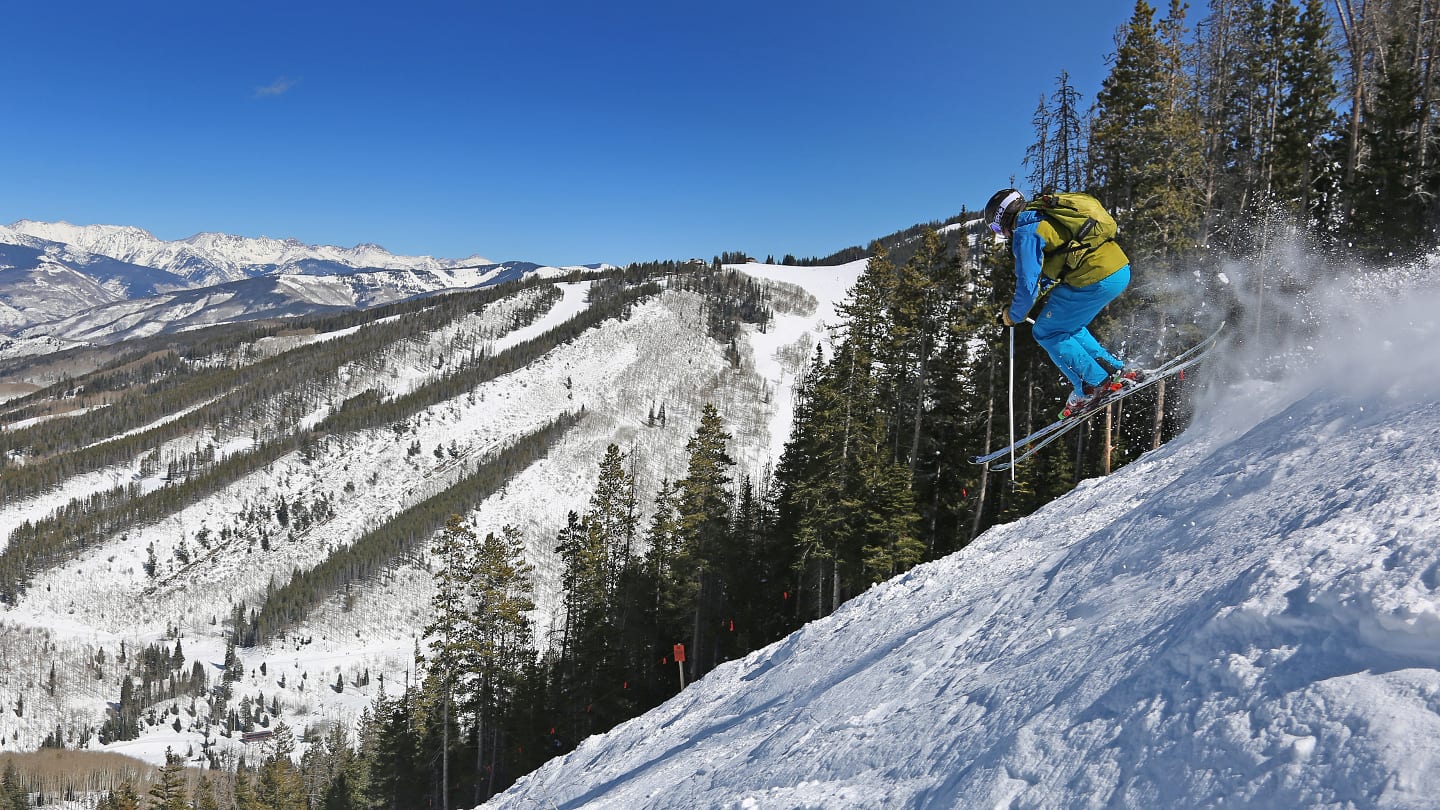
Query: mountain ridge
<point>63,284</point>
<point>211,257</point>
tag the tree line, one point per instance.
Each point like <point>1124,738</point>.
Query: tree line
<point>1266,115</point>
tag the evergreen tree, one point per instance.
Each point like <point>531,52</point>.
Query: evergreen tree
<point>1147,136</point>
<point>846,476</point>
<point>846,400</point>
<point>12,792</point>
<point>1391,193</point>
<point>762,572</point>
<point>167,791</point>
<point>243,790</point>
<point>205,798</point>
<point>1218,51</point>
<point>933,317</point>
<point>280,785</point>
<point>661,618</point>
<point>797,458</point>
<point>392,751</point>
<point>500,603</point>
<point>1174,176</point>
<point>845,410</point>
<point>1357,20</point>
<point>613,517</point>
<point>1129,112</point>
<point>883,505</point>
<point>124,797</point>
<point>345,792</point>
<point>585,642</point>
<point>618,647</point>
<point>808,490</point>
<point>1304,117</point>
<point>1245,120</point>
<point>340,771</point>
<point>449,644</point>
<point>949,488</point>
<point>915,310</point>
<point>579,565</point>
<point>1267,79</point>
<point>703,528</point>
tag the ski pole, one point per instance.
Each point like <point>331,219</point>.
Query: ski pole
<point>1012,406</point>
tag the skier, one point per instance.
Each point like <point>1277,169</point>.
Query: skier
<point>1061,253</point>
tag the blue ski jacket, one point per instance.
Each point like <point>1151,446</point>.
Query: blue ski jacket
<point>1030,238</point>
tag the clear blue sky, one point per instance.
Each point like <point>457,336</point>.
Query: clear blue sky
<point>555,132</point>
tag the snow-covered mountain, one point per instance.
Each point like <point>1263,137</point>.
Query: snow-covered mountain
<point>1246,617</point>
<point>106,283</point>
<point>275,296</point>
<point>43,281</point>
<point>214,258</point>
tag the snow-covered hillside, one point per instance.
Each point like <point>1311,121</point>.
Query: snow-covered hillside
<point>209,560</point>
<point>1248,616</point>
<point>277,296</point>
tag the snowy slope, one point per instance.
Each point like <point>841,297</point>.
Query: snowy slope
<point>102,597</point>
<point>783,352</point>
<point>1249,616</point>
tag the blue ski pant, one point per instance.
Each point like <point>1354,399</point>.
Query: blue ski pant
<point>1061,328</point>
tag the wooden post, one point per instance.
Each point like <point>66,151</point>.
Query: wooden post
<point>1159,414</point>
<point>1107,446</point>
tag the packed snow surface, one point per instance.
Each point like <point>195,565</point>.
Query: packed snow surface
<point>1248,616</point>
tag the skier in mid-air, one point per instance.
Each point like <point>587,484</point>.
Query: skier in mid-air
<point>1064,248</point>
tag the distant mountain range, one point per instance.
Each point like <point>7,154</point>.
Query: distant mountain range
<point>106,283</point>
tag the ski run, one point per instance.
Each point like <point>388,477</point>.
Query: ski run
<point>1246,617</point>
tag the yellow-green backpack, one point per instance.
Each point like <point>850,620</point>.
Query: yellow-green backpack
<point>1081,216</point>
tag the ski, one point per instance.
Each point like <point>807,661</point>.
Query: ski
<point>1033,443</point>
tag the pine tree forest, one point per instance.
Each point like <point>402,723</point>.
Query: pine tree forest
<point>1266,123</point>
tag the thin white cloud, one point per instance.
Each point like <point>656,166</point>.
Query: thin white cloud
<point>279,87</point>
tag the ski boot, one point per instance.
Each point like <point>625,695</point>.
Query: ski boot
<point>1081,401</point>
<point>1093,395</point>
